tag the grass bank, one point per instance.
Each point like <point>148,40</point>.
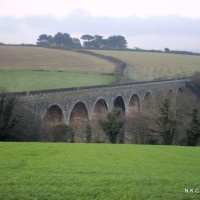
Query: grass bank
<point>15,81</point>
<point>46,171</point>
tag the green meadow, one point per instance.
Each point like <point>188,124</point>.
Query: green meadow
<point>15,81</point>
<point>46,171</point>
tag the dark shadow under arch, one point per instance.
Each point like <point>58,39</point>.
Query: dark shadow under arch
<point>180,96</point>
<point>148,96</point>
<point>119,104</point>
<point>180,91</point>
<point>147,102</point>
<point>170,94</point>
<point>100,110</point>
<point>79,115</point>
<point>160,96</point>
<point>134,105</point>
<point>54,116</point>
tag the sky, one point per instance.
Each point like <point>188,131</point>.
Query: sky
<point>147,24</point>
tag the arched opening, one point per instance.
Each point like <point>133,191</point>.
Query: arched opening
<point>78,121</point>
<point>170,96</point>
<point>179,97</point>
<point>100,110</point>
<point>134,105</point>
<point>54,116</point>
<point>148,96</point>
<point>79,116</point>
<point>119,104</point>
<point>147,103</point>
<point>180,92</point>
<point>159,97</point>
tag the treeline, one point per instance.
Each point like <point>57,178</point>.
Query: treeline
<point>97,41</point>
<point>58,40</point>
<point>166,50</point>
<point>89,41</point>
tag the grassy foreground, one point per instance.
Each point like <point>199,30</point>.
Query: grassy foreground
<point>16,81</point>
<point>46,171</point>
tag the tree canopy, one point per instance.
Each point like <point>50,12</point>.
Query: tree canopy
<point>89,41</point>
<point>97,41</point>
<point>116,42</point>
<point>59,39</point>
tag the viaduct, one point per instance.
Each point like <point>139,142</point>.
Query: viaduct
<point>75,106</point>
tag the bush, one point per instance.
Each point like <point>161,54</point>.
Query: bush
<point>8,119</point>
<point>59,133</point>
<point>113,124</point>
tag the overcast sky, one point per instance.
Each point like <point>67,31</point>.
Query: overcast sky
<point>149,24</point>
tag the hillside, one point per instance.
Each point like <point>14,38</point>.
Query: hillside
<point>35,58</point>
<point>149,66</point>
<point>34,68</point>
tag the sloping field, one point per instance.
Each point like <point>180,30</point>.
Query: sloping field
<point>149,66</point>
<point>33,68</point>
<point>64,171</point>
<point>34,58</point>
<point>18,81</point>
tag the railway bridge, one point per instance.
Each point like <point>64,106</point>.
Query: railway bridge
<point>75,106</point>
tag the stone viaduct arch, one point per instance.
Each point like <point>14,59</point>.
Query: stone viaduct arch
<point>79,106</point>
<point>78,115</point>
<point>100,109</point>
<point>159,96</point>
<point>147,101</point>
<point>180,92</point>
<point>134,105</point>
<point>54,116</point>
<point>119,104</point>
<point>170,93</point>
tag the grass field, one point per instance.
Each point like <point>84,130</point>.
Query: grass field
<point>149,66</point>
<point>32,68</point>
<point>46,171</point>
<point>15,81</point>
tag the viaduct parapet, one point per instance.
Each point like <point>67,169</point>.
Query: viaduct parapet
<point>77,105</point>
